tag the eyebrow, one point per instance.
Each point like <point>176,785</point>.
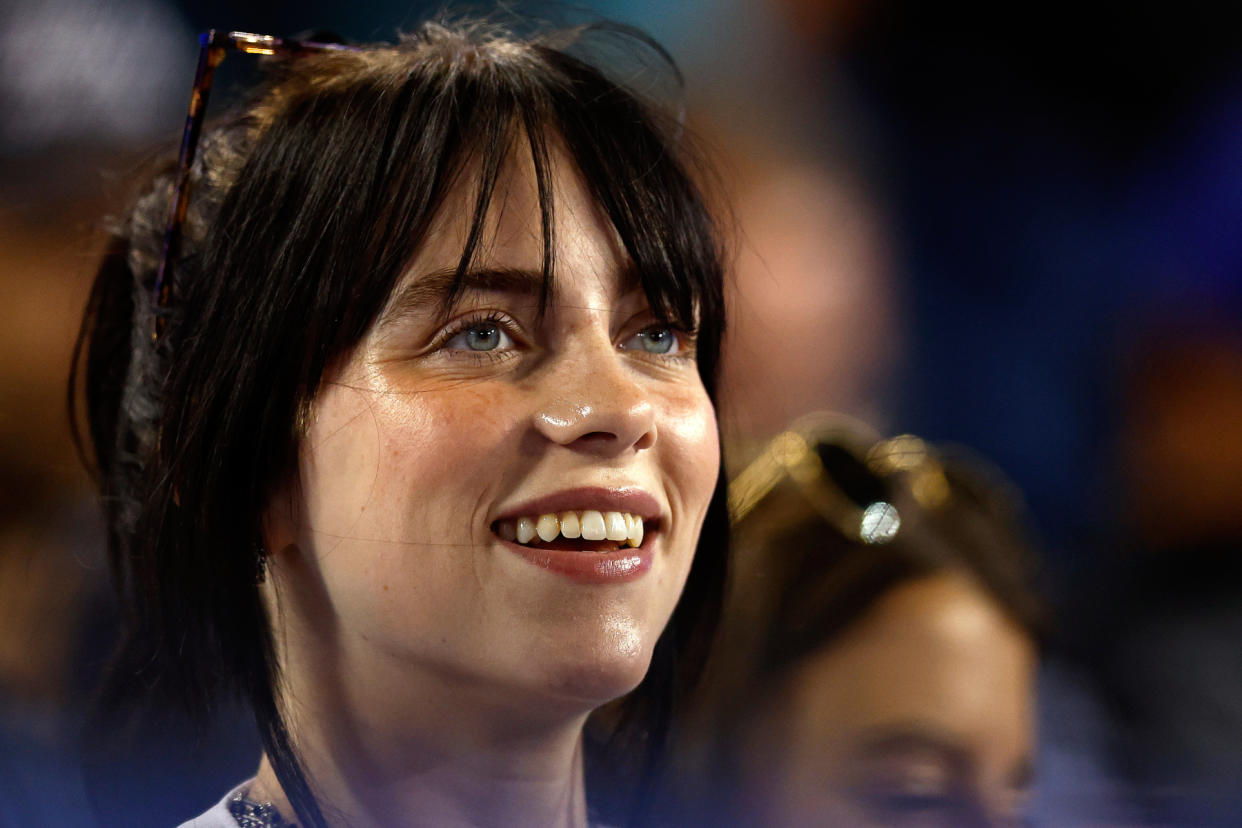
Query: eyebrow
<point>439,288</point>
<point>903,738</point>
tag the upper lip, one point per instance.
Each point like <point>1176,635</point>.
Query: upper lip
<point>630,499</point>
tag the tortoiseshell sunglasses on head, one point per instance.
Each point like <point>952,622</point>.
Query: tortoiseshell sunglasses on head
<point>213,46</point>
<point>839,467</point>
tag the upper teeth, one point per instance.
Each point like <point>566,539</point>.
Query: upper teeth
<point>588,525</point>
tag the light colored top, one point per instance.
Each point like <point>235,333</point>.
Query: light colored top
<point>219,816</point>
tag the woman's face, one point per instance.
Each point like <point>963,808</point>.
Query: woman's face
<point>920,714</point>
<point>439,448</point>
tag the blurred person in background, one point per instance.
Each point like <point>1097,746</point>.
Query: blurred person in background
<point>877,657</point>
<point>815,305</point>
<point>1054,173</point>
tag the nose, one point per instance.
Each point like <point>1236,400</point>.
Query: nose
<point>593,403</point>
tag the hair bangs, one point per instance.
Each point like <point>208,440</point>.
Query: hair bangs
<point>627,159</point>
<point>466,120</point>
<point>619,147</point>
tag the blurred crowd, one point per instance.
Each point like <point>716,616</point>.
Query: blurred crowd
<point>1013,233</point>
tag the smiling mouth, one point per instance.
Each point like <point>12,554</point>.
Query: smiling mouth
<point>584,530</point>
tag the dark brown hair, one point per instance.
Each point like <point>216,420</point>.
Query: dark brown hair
<point>306,206</point>
<point>803,573</point>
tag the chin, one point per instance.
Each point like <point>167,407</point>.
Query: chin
<point>601,673</point>
<point>594,685</point>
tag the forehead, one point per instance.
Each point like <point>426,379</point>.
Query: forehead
<point>586,249</point>
<point>934,654</point>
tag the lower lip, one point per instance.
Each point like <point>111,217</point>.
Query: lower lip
<point>618,567</point>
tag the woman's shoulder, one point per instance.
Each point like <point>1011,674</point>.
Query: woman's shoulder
<point>235,811</point>
<point>219,815</point>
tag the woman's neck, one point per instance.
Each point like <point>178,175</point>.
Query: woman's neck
<point>535,783</point>
<point>394,740</point>
<point>410,747</point>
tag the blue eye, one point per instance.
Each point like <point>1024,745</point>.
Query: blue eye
<point>658,339</point>
<point>481,336</point>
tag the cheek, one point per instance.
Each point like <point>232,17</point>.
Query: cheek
<point>386,463</point>
<point>692,439</point>
<point>339,459</point>
<point>444,437</point>
<point>690,463</point>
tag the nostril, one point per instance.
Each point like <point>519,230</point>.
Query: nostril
<point>596,428</point>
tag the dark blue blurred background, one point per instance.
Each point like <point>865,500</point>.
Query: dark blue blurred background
<point>1019,229</point>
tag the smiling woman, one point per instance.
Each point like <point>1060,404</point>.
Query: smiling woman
<point>439,367</point>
